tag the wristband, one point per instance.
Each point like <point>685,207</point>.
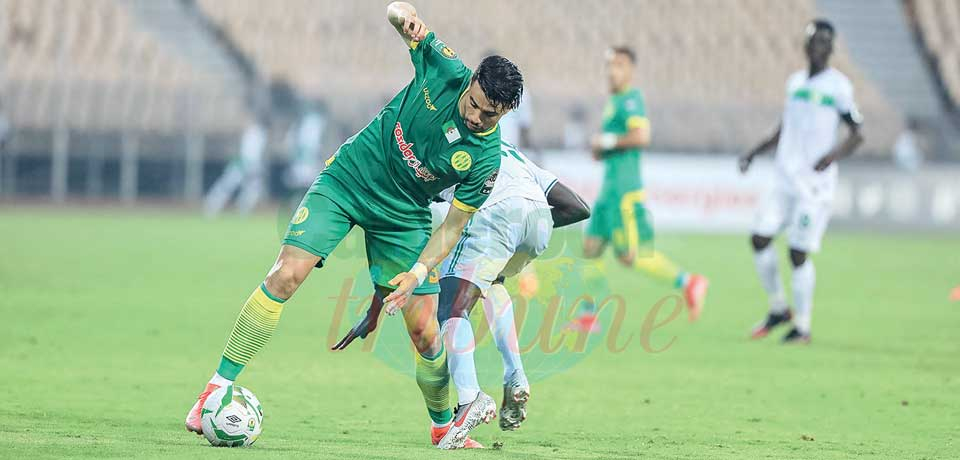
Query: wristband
<point>608,141</point>
<point>420,271</point>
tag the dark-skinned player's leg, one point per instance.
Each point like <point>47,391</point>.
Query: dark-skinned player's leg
<point>808,223</point>
<point>457,298</point>
<point>771,220</point>
<point>802,283</point>
<point>498,309</point>
<point>767,265</point>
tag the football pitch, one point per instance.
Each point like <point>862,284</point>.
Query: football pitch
<point>111,322</point>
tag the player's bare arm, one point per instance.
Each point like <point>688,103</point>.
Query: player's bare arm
<point>567,207</point>
<point>441,242</point>
<point>767,145</point>
<point>403,17</point>
<point>846,148</point>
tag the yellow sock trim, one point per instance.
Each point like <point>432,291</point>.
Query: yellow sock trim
<point>658,266</point>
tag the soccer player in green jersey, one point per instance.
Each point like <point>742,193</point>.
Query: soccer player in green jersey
<point>439,130</point>
<point>619,215</point>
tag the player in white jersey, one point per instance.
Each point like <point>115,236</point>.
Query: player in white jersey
<point>818,100</point>
<point>511,229</point>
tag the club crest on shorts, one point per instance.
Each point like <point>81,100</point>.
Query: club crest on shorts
<point>301,215</point>
<point>461,161</point>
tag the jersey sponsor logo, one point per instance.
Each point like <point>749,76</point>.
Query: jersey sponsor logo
<point>488,184</point>
<point>406,149</point>
<point>301,215</point>
<point>815,97</point>
<point>427,101</point>
<point>461,161</point>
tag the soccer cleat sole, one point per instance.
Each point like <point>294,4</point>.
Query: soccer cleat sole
<point>520,397</point>
<point>482,410</point>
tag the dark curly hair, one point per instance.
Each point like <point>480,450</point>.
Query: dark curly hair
<point>500,81</point>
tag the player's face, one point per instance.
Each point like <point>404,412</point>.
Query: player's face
<point>819,47</point>
<point>478,113</point>
<point>619,71</point>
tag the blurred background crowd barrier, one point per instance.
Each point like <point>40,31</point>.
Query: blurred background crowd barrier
<point>132,101</point>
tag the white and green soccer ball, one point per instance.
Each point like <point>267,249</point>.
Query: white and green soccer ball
<point>231,417</point>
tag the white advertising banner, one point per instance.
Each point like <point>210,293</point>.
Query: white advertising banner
<point>707,193</point>
<point>684,192</point>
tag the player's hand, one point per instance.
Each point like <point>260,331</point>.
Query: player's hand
<point>744,162</point>
<point>365,326</point>
<point>413,28</point>
<point>596,150</point>
<point>824,162</point>
<point>405,282</point>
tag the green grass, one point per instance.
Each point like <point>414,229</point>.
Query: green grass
<point>111,322</point>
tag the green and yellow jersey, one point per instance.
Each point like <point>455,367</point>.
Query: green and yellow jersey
<point>418,145</point>
<point>619,215</point>
<point>624,111</point>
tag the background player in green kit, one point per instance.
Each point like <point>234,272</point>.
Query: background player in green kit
<point>440,130</point>
<point>619,215</point>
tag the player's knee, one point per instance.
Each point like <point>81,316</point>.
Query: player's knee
<point>424,338</point>
<point>627,259</point>
<point>760,242</point>
<point>797,257</point>
<point>284,279</point>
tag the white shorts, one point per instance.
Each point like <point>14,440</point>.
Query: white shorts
<point>500,240</point>
<point>804,219</point>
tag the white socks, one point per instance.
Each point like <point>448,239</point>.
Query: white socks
<point>769,273</point>
<point>460,343</point>
<point>804,280</point>
<point>220,381</point>
<point>458,339</point>
<point>498,308</point>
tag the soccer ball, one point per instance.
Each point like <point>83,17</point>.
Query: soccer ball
<point>231,417</point>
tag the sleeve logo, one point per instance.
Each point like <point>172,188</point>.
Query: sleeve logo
<point>461,161</point>
<point>445,50</point>
<point>301,215</point>
<point>488,184</point>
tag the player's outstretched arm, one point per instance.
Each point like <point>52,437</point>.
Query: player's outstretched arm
<point>567,207</point>
<point>765,146</point>
<point>367,324</point>
<point>846,148</point>
<point>439,245</point>
<point>403,17</point>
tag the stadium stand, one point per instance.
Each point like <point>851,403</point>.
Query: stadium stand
<point>90,62</point>
<point>939,25</point>
<point>713,74</point>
